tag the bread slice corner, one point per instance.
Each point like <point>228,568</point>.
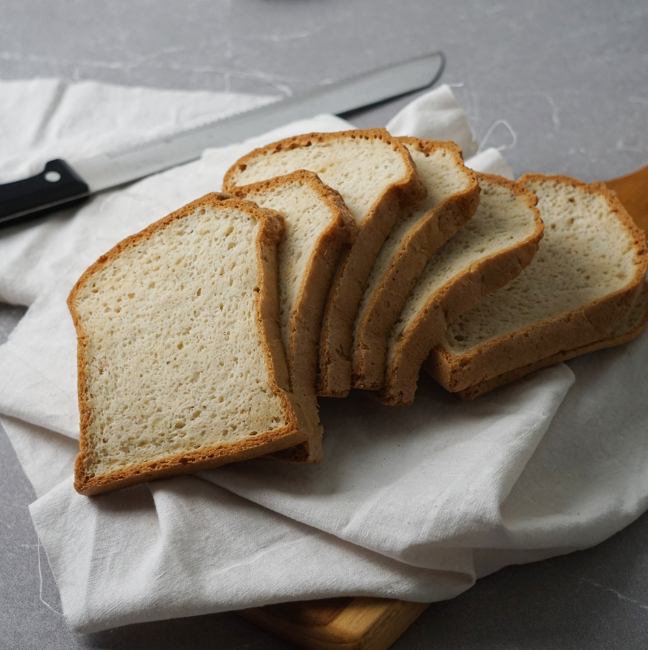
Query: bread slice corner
<point>180,363</point>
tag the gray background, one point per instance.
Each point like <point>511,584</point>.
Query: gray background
<point>571,81</point>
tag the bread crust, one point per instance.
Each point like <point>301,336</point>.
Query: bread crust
<point>334,377</point>
<point>609,341</point>
<point>268,236</point>
<point>454,298</point>
<point>437,226</point>
<point>306,319</point>
<point>581,326</point>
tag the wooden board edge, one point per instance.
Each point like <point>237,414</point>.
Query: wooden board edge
<point>364,624</point>
<point>384,623</point>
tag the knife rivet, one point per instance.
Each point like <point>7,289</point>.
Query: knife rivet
<point>52,177</point>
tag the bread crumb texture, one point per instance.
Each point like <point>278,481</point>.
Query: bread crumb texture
<point>173,354</point>
<point>586,254</point>
<point>354,165</point>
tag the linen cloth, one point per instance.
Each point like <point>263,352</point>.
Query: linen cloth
<point>413,503</point>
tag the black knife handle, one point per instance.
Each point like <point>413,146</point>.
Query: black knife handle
<point>57,185</point>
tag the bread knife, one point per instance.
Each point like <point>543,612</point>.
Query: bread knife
<point>63,183</point>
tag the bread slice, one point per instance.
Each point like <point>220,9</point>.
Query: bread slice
<point>578,288</point>
<point>629,328</point>
<point>488,252</point>
<point>378,181</point>
<point>180,362</point>
<point>318,227</point>
<point>453,195</point>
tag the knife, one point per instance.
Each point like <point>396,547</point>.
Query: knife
<point>61,184</point>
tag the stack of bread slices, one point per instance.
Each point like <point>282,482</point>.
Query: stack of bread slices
<point>334,261</point>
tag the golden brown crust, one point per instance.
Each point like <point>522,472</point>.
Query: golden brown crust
<point>351,276</point>
<point>565,355</point>
<point>306,320</point>
<point>373,325</point>
<point>581,326</point>
<point>269,234</point>
<point>456,297</point>
<point>189,463</point>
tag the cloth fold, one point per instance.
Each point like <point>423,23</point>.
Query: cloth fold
<point>414,503</point>
<point>186,547</point>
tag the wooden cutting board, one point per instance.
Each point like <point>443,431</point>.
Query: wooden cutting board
<point>375,623</point>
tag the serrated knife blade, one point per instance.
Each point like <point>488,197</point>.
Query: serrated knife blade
<point>61,182</point>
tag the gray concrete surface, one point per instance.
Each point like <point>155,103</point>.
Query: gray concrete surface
<point>570,79</point>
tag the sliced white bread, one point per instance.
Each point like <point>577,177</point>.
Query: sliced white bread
<point>488,252</point>
<point>581,284</point>
<point>180,362</point>
<point>453,195</point>
<point>378,181</point>
<point>629,328</point>
<point>318,228</point>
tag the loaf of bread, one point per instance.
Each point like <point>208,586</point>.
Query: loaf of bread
<point>453,195</point>
<point>581,284</point>
<point>180,361</point>
<point>492,249</point>
<point>318,228</point>
<point>629,328</point>
<point>378,181</point>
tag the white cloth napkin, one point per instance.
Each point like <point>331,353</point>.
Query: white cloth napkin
<point>413,503</point>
